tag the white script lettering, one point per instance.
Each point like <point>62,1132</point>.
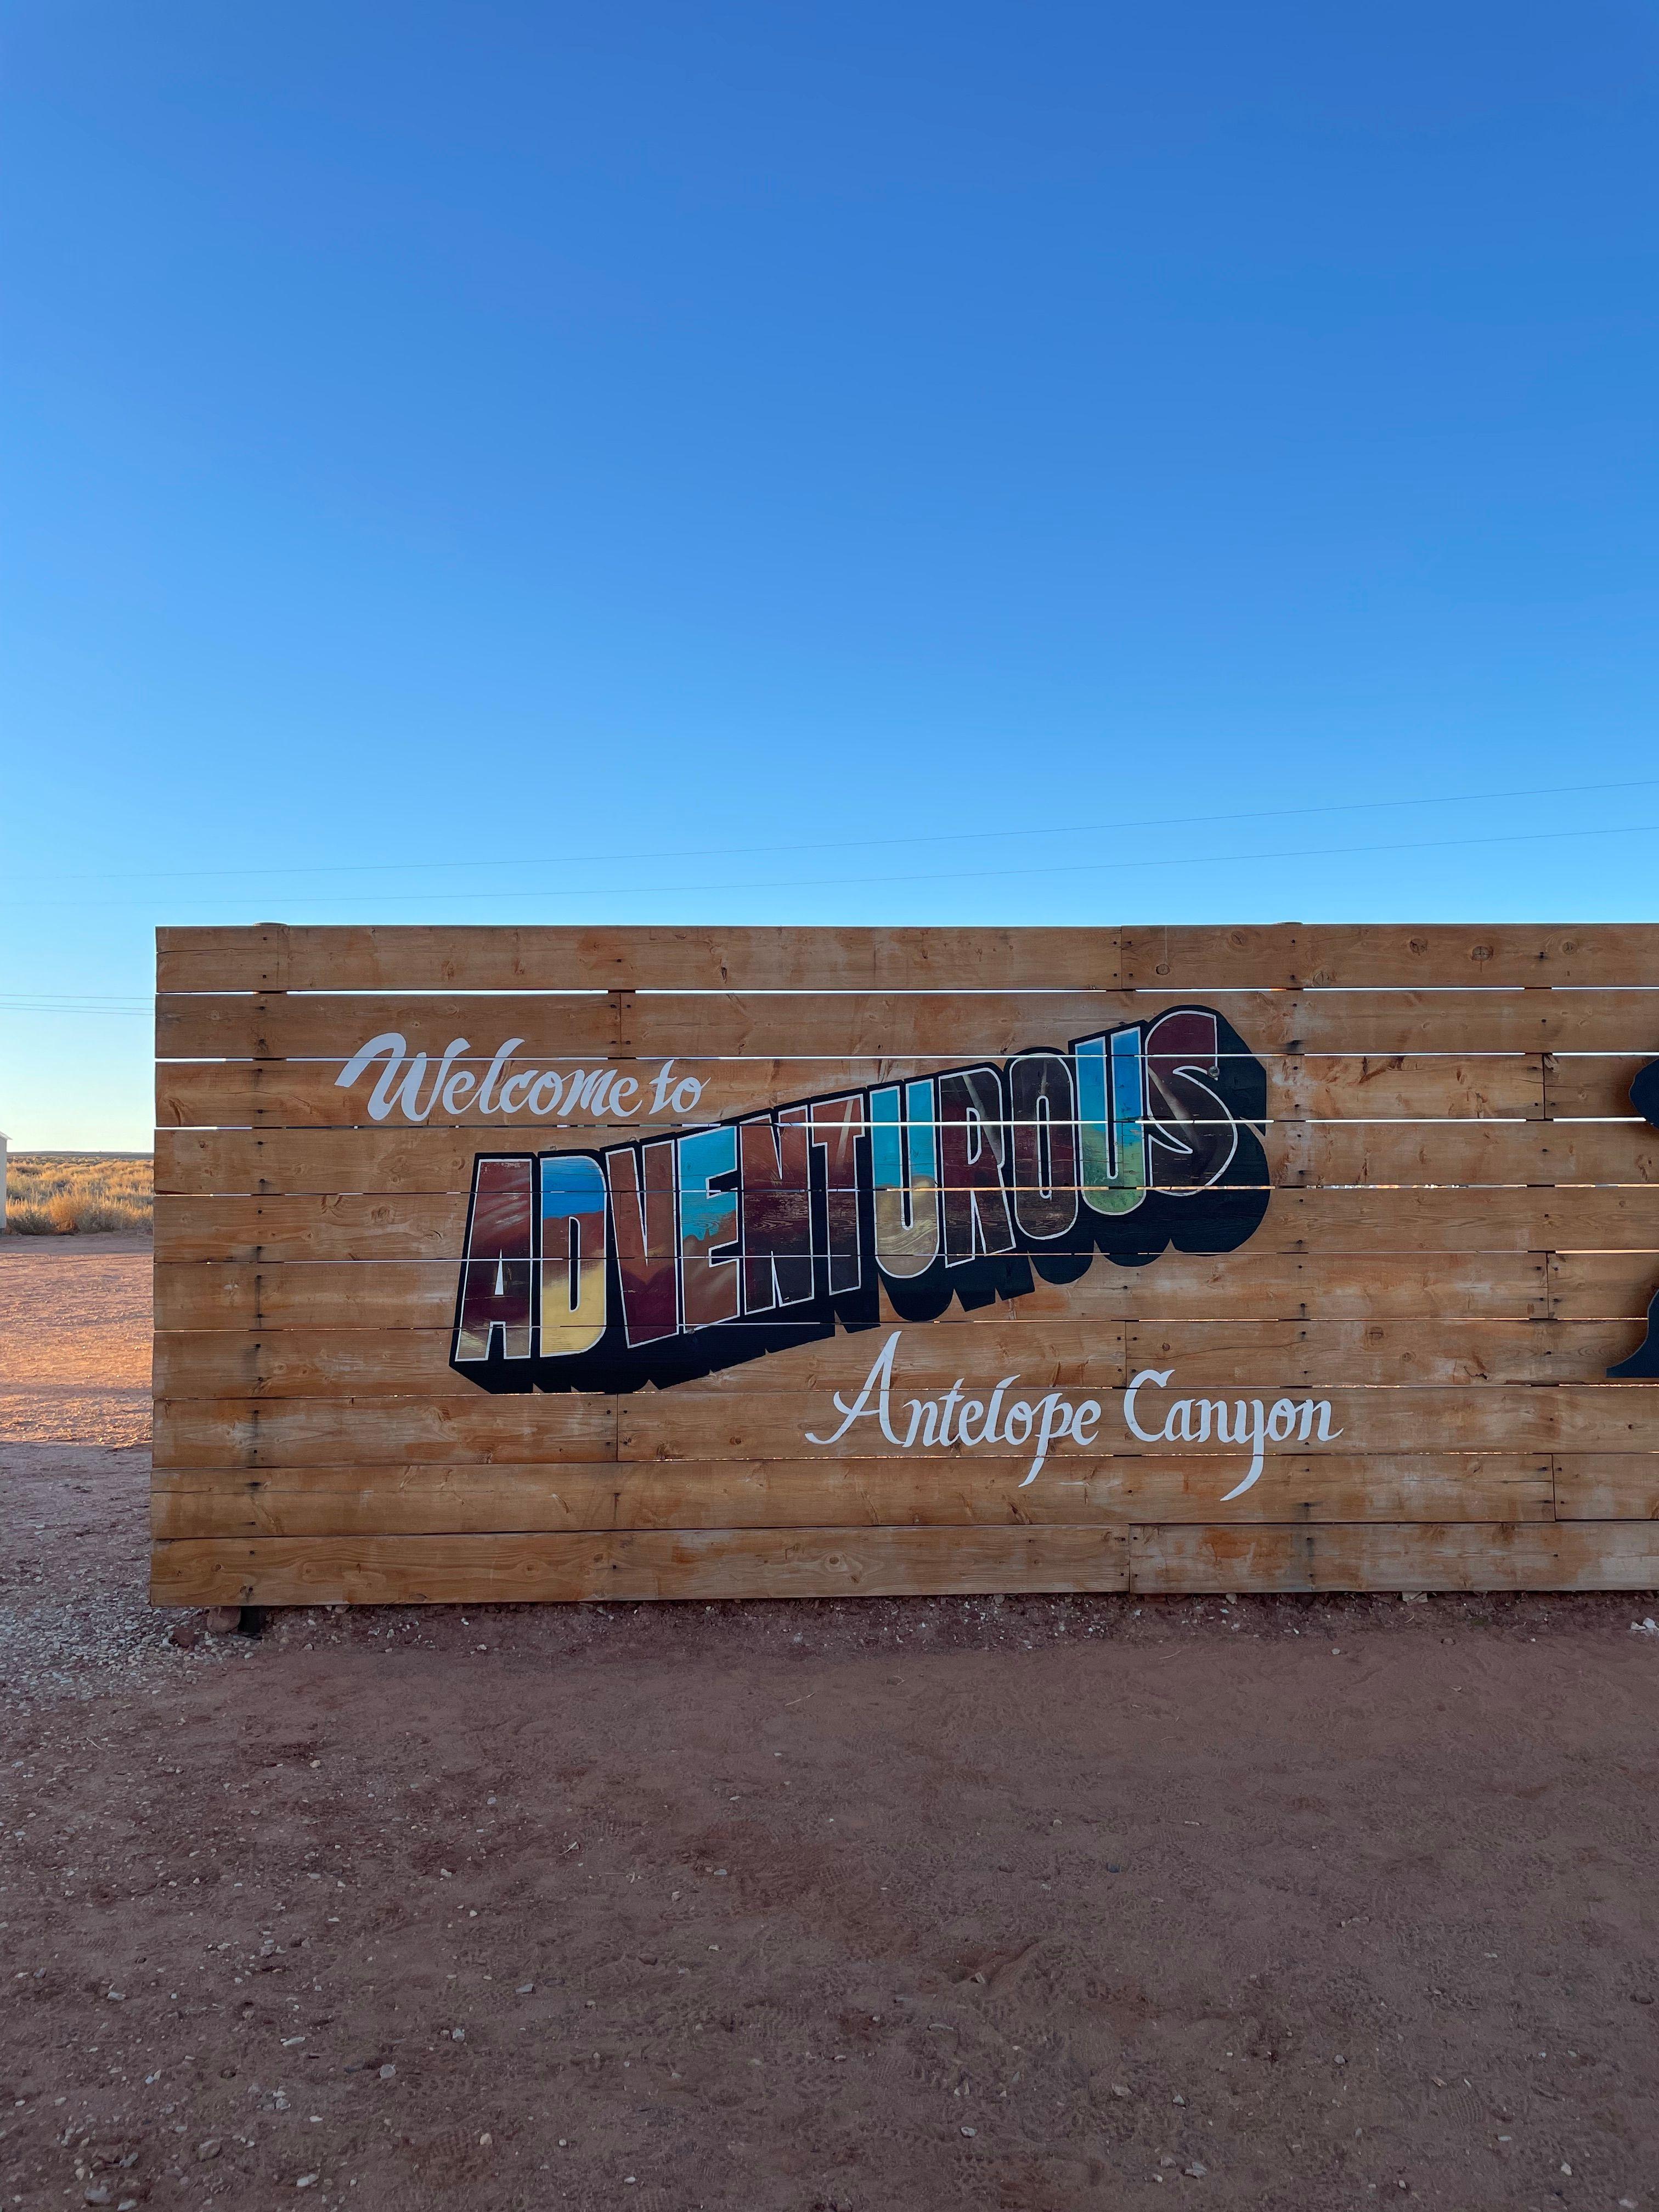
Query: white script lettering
<point>401,1085</point>
<point>1246,1421</point>
<point>1038,1424</point>
<point>1047,1419</point>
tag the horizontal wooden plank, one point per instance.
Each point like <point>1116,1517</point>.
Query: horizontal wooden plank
<point>227,957</point>
<point>274,956</point>
<point>561,1027</point>
<point>431,1430</point>
<point>344,1228</point>
<point>1301,1154</point>
<point>693,1423</point>
<point>361,1363</point>
<point>1161,1559</point>
<point>1433,955</point>
<point>1367,1221</point>
<point>1606,1486</point>
<point>1602,1286</point>
<point>1445,1556</point>
<point>333,1501</point>
<point>1409,1221</point>
<point>204,1162</point>
<point>742,1563</point>
<point>421,1293</point>
<point>699,1421</point>
<point>278,1094</point>
<point>1338,1154</point>
<point>1619,1416</point>
<point>300,1294</point>
<point>1324,1355</point>
<point>956,1024</point>
<point>585,1026</point>
<point>1594,1084</point>
<point>1045,1353</point>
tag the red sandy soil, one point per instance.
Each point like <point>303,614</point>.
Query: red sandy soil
<point>894,1906</point>
<point>75,1339</point>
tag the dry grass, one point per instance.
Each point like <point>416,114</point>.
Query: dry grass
<point>56,1194</point>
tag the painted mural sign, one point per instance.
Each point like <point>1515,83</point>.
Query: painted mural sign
<point>578,1263</point>
<point>657,1260</point>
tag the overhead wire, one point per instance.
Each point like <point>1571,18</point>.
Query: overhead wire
<point>564,861</point>
<point>1082,867</point>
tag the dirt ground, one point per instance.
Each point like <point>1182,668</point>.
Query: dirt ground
<point>893,1906</point>
<point>75,1340</point>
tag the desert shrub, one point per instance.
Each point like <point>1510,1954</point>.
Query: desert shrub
<point>106,1214</point>
<point>58,1194</point>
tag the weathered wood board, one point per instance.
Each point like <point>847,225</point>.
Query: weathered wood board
<point>565,1264</point>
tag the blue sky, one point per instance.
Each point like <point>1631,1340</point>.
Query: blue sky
<point>810,463</point>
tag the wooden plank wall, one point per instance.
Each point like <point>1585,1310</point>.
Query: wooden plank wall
<point>1462,1236</point>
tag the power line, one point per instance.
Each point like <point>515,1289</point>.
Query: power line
<point>11,1003</point>
<point>564,862</point>
<point>981,875</point>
